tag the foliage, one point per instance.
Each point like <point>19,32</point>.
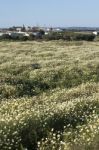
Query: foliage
<point>40,35</point>
<point>49,95</point>
<point>69,36</point>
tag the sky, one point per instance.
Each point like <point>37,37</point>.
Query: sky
<point>57,13</point>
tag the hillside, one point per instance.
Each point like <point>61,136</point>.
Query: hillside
<point>49,95</point>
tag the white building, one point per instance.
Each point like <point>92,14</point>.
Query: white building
<point>1,33</point>
<point>95,33</point>
<point>19,34</point>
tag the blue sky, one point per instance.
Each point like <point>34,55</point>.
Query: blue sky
<point>62,13</point>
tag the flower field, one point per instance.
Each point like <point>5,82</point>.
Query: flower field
<point>49,95</point>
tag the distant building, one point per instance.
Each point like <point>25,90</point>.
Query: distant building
<point>46,33</point>
<point>19,34</point>
<point>1,34</point>
<point>28,29</point>
<point>19,29</point>
<point>57,30</point>
<point>95,33</point>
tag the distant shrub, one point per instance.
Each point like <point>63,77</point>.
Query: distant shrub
<point>36,66</point>
<point>53,36</point>
<point>23,38</point>
<point>5,37</point>
<point>86,37</point>
<point>69,36</point>
<point>31,37</point>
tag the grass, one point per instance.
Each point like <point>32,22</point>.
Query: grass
<point>49,95</point>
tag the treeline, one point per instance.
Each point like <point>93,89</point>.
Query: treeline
<point>68,36</point>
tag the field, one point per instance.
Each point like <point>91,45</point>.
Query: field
<point>49,95</point>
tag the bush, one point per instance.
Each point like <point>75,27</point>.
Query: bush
<point>53,36</point>
<point>86,37</point>
<point>5,37</point>
<point>69,36</point>
<point>31,37</point>
<point>23,38</point>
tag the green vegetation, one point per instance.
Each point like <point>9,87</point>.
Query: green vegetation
<point>67,36</point>
<point>49,95</point>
